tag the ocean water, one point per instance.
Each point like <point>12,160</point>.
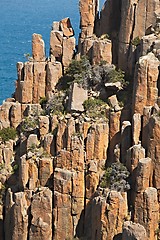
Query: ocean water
<point>19,20</point>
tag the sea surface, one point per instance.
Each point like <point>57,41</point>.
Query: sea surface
<point>19,19</point>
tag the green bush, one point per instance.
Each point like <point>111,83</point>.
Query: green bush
<point>136,41</point>
<point>2,166</point>
<point>55,105</point>
<point>7,134</point>
<point>15,168</point>
<point>29,123</point>
<point>79,71</point>
<point>116,76</point>
<point>115,178</point>
<point>95,108</point>
<point>43,101</point>
<point>91,103</point>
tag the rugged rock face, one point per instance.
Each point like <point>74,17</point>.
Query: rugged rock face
<point>133,20</point>
<point>133,231</point>
<point>57,179</point>
<point>88,12</point>
<point>145,93</point>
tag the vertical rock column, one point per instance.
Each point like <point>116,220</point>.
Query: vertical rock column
<point>16,216</point>
<point>38,48</point>
<point>88,14</point>
<point>62,42</point>
<point>104,216</point>
<point>145,91</point>
<point>136,18</point>
<point>41,210</point>
<point>146,201</point>
<point>68,181</point>
<point>31,81</point>
<point>96,154</point>
<point>154,148</point>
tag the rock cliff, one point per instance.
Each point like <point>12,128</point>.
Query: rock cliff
<point>79,140</point>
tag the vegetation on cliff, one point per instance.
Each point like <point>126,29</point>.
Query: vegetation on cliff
<point>7,134</point>
<point>116,178</point>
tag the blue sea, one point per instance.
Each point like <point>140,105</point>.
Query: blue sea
<point>19,20</point>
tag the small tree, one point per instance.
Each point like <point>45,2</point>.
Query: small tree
<point>55,105</point>
<point>115,178</point>
<point>80,72</point>
<point>7,134</point>
<point>95,108</point>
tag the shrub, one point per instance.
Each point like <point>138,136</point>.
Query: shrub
<point>2,166</point>
<point>7,134</point>
<point>43,101</point>
<point>79,72</point>
<point>97,74</point>
<point>103,73</point>
<point>32,148</point>
<point>15,168</point>
<point>104,36</point>
<point>28,56</point>
<point>29,123</point>
<point>91,103</point>
<point>55,105</point>
<point>136,41</point>
<point>115,177</point>
<point>116,76</point>
<point>95,108</point>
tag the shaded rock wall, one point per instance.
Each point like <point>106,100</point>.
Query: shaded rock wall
<point>125,21</point>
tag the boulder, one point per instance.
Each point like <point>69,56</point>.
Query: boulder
<point>66,27</point>
<point>115,86</point>
<point>113,102</point>
<point>133,231</point>
<point>77,97</point>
